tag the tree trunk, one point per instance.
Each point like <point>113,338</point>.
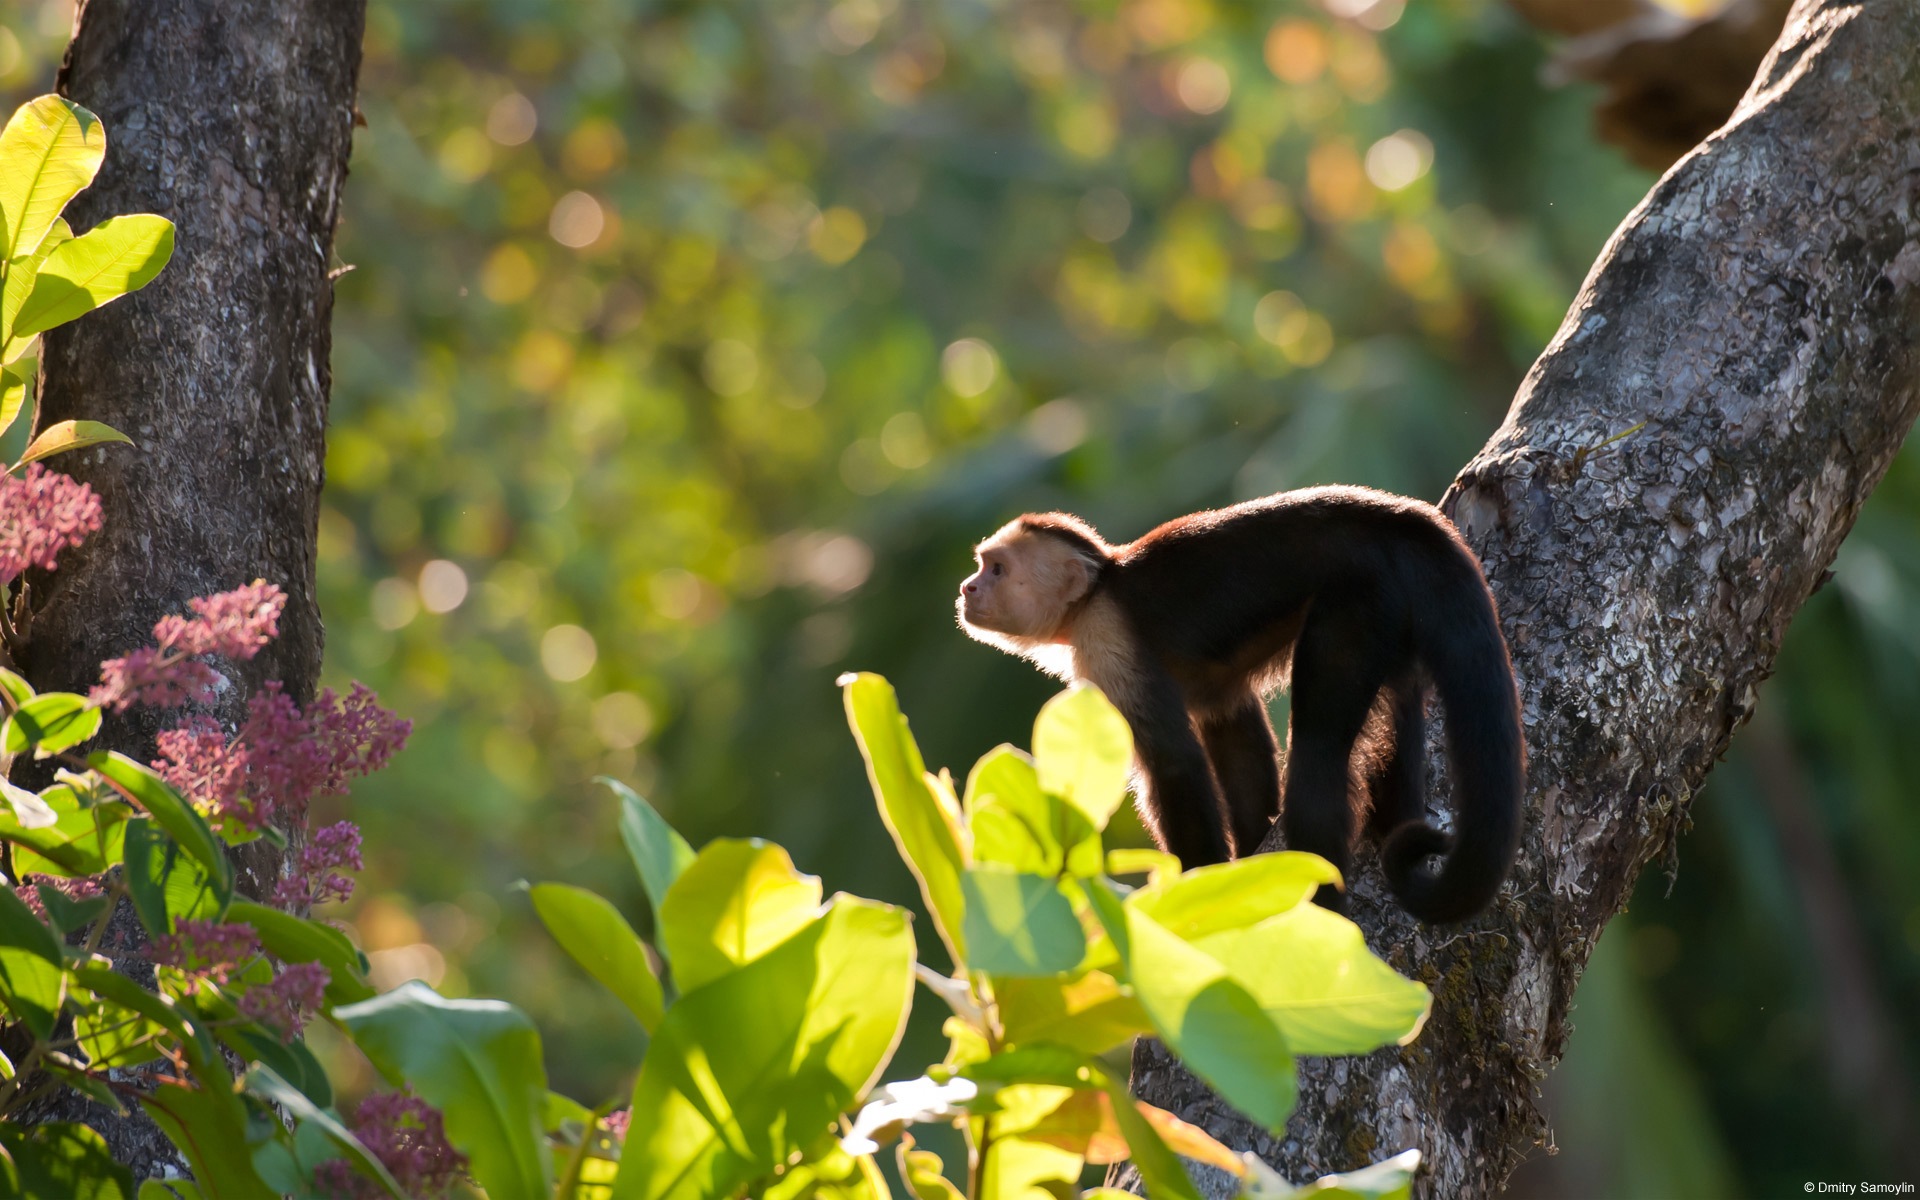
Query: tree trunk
<point>1671,483</point>
<point>233,118</point>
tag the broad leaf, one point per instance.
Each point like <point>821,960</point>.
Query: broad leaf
<point>1014,1166</point>
<point>13,392</point>
<point>1388,1179</point>
<point>659,854</point>
<point>1091,1013</point>
<point>1311,971</point>
<point>20,274</point>
<point>1083,751</point>
<point>921,1171</point>
<point>51,147</point>
<point>30,965</point>
<point>922,817</point>
<point>68,1161</point>
<point>1233,895</point>
<point>737,901</point>
<point>148,791</point>
<point>594,933</point>
<point>53,722</point>
<point>16,690</point>
<point>81,841</point>
<point>263,1082</point>
<point>62,436</point>
<point>294,939</point>
<point>1015,824</point>
<point>479,1063</point>
<point>166,885</point>
<point>1019,924</point>
<point>117,256</point>
<point>209,1125</point>
<point>754,1068</point>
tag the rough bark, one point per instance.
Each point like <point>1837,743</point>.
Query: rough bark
<point>1673,479</point>
<point>234,118</point>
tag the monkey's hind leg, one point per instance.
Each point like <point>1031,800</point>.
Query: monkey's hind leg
<point>1390,758</point>
<point>1246,762</point>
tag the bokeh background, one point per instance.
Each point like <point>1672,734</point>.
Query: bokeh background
<point>687,346</point>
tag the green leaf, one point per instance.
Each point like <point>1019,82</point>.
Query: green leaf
<point>1090,1012</point>
<point>289,1060</point>
<point>81,841</point>
<point>479,1062</point>
<point>170,1189</point>
<point>1160,1168</point>
<point>154,794</point>
<point>51,148</point>
<point>1211,1022</point>
<point>921,1171</point>
<point>60,1161</point>
<point>1015,824</point>
<point>659,854</point>
<point>13,388</point>
<point>166,885</point>
<point>1388,1179</point>
<point>119,255</point>
<point>1312,973</point>
<point>1019,924</point>
<point>266,1084</point>
<point>107,986</point>
<point>66,915</point>
<point>52,722</point>
<point>30,965</point>
<point>1233,895</point>
<point>921,816</point>
<point>17,690</point>
<point>295,939</point>
<point>737,901</point>
<point>30,812</point>
<point>1083,751</point>
<point>753,1068</point>
<point>62,436</point>
<point>209,1126</point>
<point>19,284</point>
<point>594,933</point>
<point>1015,1166</point>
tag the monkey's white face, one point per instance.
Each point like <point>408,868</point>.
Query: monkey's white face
<point>1024,588</point>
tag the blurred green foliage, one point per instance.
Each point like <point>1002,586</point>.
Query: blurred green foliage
<point>688,346</point>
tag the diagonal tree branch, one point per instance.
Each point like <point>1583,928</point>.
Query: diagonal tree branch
<point>1674,477</point>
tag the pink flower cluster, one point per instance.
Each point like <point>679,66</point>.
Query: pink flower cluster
<point>409,1138</point>
<point>283,1004</point>
<point>42,512</point>
<point>316,877</point>
<point>281,758</point>
<point>207,949</point>
<point>168,674</point>
<point>85,887</point>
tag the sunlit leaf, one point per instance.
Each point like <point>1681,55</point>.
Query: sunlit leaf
<point>1234,895</point>
<point>30,965</point>
<point>1015,824</point>
<point>659,854</point>
<point>62,436</point>
<point>594,933</point>
<point>1091,1012</point>
<point>117,256</point>
<point>209,1126</point>
<point>60,1160</point>
<point>295,939</point>
<point>1019,924</point>
<point>920,1170</point>
<point>81,841</point>
<point>737,901</point>
<point>53,722</point>
<point>1083,752</point>
<point>13,396</point>
<point>167,885</point>
<point>146,789</point>
<point>51,147</point>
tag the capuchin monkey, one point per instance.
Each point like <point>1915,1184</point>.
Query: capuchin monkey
<point>1362,598</point>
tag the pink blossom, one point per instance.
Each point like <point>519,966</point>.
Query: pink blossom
<point>208,949</point>
<point>615,1123</point>
<point>85,887</point>
<point>283,1004</point>
<point>234,624</point>
<point>317,877</point>
<point>409,1137</point>
<point>197,760</point>
<point>42,513</point>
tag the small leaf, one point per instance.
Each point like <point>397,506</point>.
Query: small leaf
<point>1083,751</point>
<point>18,691</point>
<point>1091,1013</point>
<point>737,901</point>
<point>62,436</point>
<point>29,810</point>
<point>264,1083</point>
<point>1233,895</point>
<point>13,393</point>
<point>51,147</point>
<point>80,842</point>
<point>52,722</point>
<point>659,854</point>
<point>594,933</point>
<point>30,965</point>
<point>67,915</point>
<point>1019,924</point>
<point>920,1170</point>
<point>479,1063</point>
<point>146,789</point>
<point>119,255</point>
<point>20,275</point>
<point>68,1161</point>
<point>295,939</point>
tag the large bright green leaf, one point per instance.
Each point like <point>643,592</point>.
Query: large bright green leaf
<point>295,939</point>
<point>1083,751</point>
<point>60,1161</point>
<point>1233,895</point>
<point>51,148</point>
<point>62,436</point>
<point>738,900</point>
<point>1015,1166</point>
<point>1208,1019</point>
<point>1311,971</point>
<point>148,791</point>
<point>479,1063</point>
<point>600,940</point>
<point>921,816</point>
<point>13,395</point>
<point>20,273</point>
<point>659,854</point>
<point>210,1127</point>
<point>753,1068</point>
<point>1019,924</point>
<point>81,841</point>
<point>30,965</point>
<point>117,256</point>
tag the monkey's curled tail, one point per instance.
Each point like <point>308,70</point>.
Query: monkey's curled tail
<point>1461,644</point>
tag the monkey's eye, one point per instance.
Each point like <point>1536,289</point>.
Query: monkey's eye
<point>996,568</point>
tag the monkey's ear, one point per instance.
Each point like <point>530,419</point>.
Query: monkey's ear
<point>1076,578</point>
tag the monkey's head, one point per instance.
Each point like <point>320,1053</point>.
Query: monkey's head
<point>1033,574</point>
